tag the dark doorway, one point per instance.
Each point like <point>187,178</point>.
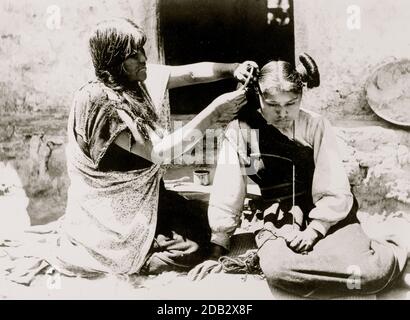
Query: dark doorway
<point>222,31</point>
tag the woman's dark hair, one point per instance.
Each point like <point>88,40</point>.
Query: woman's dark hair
<point>111,42</point>
<point>284,77</point>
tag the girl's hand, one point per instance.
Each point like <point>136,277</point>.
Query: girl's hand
<point>205,268</point>
<point>211,265</point>
<point>244,71</point>
<point>302,241</point>
<point>227,106</point>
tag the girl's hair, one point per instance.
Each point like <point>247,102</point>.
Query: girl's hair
<point>110,43</point>
<point>282,76</point>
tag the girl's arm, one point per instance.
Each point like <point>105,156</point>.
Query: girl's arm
<point>227,196</point>
<point>331,189</point>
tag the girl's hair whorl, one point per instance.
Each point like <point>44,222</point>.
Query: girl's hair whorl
<point>308,71</point>
<point>283,76</point>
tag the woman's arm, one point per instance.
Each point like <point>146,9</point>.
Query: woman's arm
<point>164,149</point>
<point>204,72</point>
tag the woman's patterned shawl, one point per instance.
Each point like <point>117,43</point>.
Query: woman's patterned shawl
<point>111,215</point>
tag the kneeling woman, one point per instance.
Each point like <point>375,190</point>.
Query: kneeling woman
<point>119,217</point>
<point>311,244</point>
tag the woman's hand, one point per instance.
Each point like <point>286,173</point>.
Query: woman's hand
<point>302,241</point>
<point>178,245</point>
<point>227,105</point>
<point>247,69</point>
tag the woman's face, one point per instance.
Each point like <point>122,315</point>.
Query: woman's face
<point>135,68</point>
<point>280,108</point>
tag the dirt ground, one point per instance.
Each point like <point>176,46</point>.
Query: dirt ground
<point>173,285</point>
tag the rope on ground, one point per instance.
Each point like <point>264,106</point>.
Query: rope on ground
<point>248,263</point>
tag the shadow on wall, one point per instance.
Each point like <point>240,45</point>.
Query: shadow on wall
<point>44,59</point>
<point>33,178</point>
<point>35,183</point>
<point>13,201</point>
<point>378,164</point>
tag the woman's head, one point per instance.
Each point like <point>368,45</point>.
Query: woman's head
<point>116,48</point>
<point>281,87</point>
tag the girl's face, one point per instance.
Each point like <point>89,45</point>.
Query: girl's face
<point>280,108</point>
<point>135,68</point>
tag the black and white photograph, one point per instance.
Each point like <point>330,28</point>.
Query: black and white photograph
<point>204,150</point>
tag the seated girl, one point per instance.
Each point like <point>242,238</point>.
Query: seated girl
<point>311,244</point>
